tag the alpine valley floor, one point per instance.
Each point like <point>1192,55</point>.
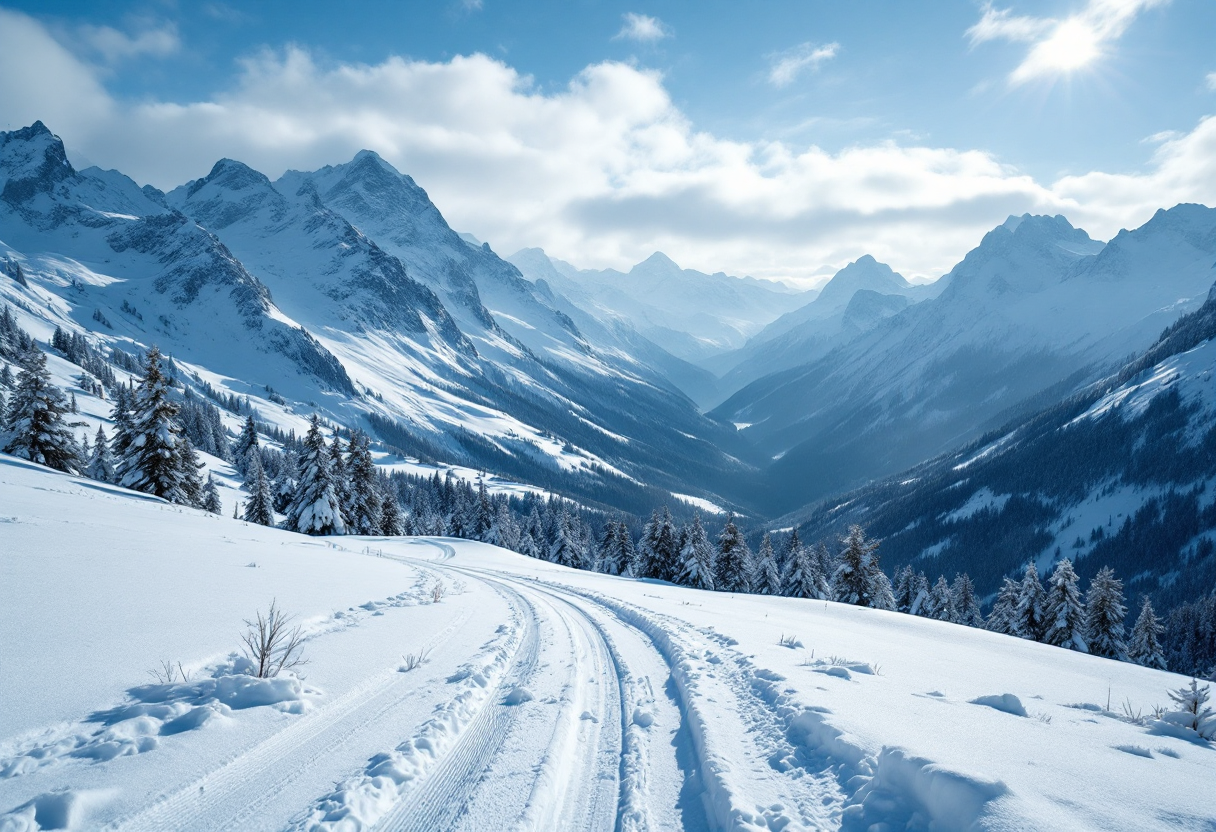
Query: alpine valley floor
<point>549,699</point>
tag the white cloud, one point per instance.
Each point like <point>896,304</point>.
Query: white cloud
<point>1211,79</point>
<point>785,67</point>
<point>1060,45</point>
<point>602,172</point>
<point>114,46</point>
<point>642,28</point>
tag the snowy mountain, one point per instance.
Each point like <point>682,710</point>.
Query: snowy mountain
<point>854,301</point>
<point>1118,475</point>
<point>264,286</point>
<point>1037,309</point>
<point>107,255</point>
<point>690,314</point>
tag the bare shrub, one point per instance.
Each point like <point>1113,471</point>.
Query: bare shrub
<point>791,642</point>
<point>169,673</point>
<point>272,644</point>
<point>413,661</point>
<point>437,592</point>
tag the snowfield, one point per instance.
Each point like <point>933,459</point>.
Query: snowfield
<point>546,698</point>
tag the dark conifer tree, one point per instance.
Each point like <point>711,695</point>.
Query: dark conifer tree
<point>34,427</point>
<point>966,605</point>
<point>259,508</point>
<point>101,463</point>
<point>733,566</point>
<point>153,462</point>
<point>211,497</point>
<point>859,579</point>
<point>1004,615</point>
<point>1064,614</point>
<point>766,580</point>
<point>1145,648</point>
<point>1028,615</point>
<point>1105,612</point>
<point>316,509</point>
<point>696,557</point>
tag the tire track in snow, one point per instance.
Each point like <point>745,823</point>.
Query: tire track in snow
<point>769,788</point>
<point>232,792</point>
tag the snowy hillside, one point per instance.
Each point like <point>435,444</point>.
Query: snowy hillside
<point>1119,475</point>
<point>1037,309</point>
<point>453,685</point>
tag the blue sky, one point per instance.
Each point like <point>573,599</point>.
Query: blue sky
<point>780,139</point>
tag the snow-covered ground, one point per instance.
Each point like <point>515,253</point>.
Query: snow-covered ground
<point>549,699</point>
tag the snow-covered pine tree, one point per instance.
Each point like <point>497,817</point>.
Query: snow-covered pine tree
<point>1193,712</point>
<point>341,480</point>
<point>483,514</point>
<point>940,603</point>
<point>284,485</point>
<point>607,553</point>
<point>211,497</point>
<point>696,557</point>
<point>826,564</point>
<point>35,428</point>
<point>859,579</point>
<point>528,546</point>
<point>785,555</point>
<point>766,580</point>
<point>245,443</point>
<point>906,588</point>
<point>733,566</point>
<point>1145,647</point>
<point>315,509</point>
<point>153,461</point>
<point>259,508</point>
<point>1028,615</point>
<point>966,605</point>
<point>101,463</point>
<point>627,554</point>
<point>803,578</point>
<point>1105,612</point>
<point>1063,612</point>
<point>364,490</point>
<point>120,412</point>
<point>1003,617</point>
<point>565,549</point>
<point>192,479</point>
<point>667,547</point>
<point>391,521</point>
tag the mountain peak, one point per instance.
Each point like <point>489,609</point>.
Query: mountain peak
<point>32,160</point>
<point>863,273</point>
<point>234,175</point>
<point>657,265</point>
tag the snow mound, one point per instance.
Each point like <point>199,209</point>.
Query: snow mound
<point>518,695</point>
<point>1006,702</point>
<point>155,711</point>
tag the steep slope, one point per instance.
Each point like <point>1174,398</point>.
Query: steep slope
<point>1034,310</point>
<point>690,314</point>
<point>1119,475</point>
<point>119,259</point>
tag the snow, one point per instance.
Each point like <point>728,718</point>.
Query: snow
<point>700,502</point>
<point>979,501</point>
<point>546,699</point>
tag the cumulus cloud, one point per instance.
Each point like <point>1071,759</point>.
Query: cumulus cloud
<point>785,67</point>
<point>1060,45</point>
<point>601,172</point>
<point>642,28</point>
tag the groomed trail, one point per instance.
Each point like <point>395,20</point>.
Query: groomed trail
<point>452,686</point>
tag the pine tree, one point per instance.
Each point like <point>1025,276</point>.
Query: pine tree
<point>766,580</point>
<point>1104,616</point>
<point>259,508</point>
<point>483,514</point>
<point>316,509</point>
<point>153,461</point>
<point>1028,615</point>
<point>211,497</point>
<point>245,444</point>
<point>734,562</point>
<point>284,485</point>
<point>1064,614</point>
<point>1145,648</point>
<point>565,550</point>
<point>192,480</point>
<point>940,604</point>
<point>966,605</point>
<point>859,579</point>
<point>391,522</point>
<point>341,481</point>
<point>803,577</point>
<point>363,506</point>
<point>659,553</point>
<point>696,557</point>
<point>35,429</point>
<point>1003,618</point>
<point>906,589</point>
<point>101,463</point>
<point>626,553</point>
<point>1193,713</point>
<point>609,562</point>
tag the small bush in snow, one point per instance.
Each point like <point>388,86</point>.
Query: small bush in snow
<point>437,592</point>
<point>169,673</point>
<point>413,661</point>
<point>791,642</point>
<point>1193,712</point>
<point>272,644</point>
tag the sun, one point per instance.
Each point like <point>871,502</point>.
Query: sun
<point>1072,46</point>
